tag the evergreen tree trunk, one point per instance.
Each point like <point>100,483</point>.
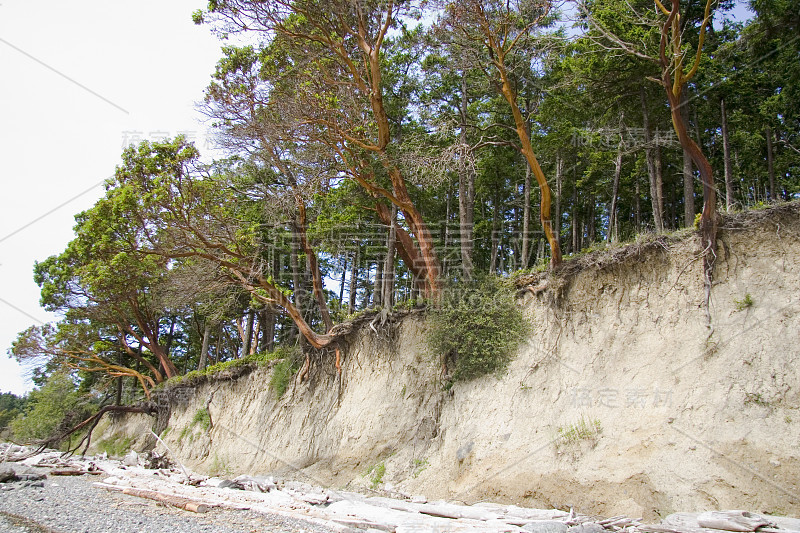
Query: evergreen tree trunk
<point>268,317</point>
<point>688,174</point>
<point>495,236</point>
<point>248,333</point>
<point>312,267</point>
<point>526,203</point>
<point>343,280</point>
<point>559,186</point>
<point>445,232</point>
<point>204,349</point>
<point>726,151</point>
<point>656,188</point>
<point>354,281</point>
<point>637,204</point>
<point>770,164</point>
<point>613,234</point>
<point>466,194</point>
<point>170,335</point>
<point>576,237</point>
<point>378,285</point>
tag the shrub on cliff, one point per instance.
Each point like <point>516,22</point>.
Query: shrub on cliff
<point>477,327</point>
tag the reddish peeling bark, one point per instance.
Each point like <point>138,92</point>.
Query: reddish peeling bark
<point>672,62</point>
<point>408,251</point>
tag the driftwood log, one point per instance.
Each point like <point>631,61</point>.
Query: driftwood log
<point>739,521</point>
<point>75,472</point>
<point>180,502</point>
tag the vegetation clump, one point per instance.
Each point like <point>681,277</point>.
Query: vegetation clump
<point>50,409</point>
<point>202,418</point>
<point>744,303</point>
<point>196,377</point>
<point>376,474</point>
<point>582,430</point>
<point>115,446</point>
<point>477,326</point>
<point>282,373</point>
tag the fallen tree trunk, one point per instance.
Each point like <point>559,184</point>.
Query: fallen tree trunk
<point>74,472</point>
<point>181,502</point>
<point>91,423</point>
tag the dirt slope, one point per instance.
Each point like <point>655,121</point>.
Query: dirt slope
<point>629,397</point>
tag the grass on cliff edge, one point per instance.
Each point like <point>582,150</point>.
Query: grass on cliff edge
<point>477,327</point>
<point>260,359</point>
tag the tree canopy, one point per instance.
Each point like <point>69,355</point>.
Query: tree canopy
<point>377,152</point>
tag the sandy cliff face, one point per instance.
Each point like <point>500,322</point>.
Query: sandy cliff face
<point>629,397</point>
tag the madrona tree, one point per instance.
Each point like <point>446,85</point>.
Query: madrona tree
<point>503,30</point>
<point>322,80</point>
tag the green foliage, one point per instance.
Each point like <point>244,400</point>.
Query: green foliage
<point>260,359</point>
<point>755,398</point>
<point>219,467</point>
<point>175,244</point>
<point>202,418</point>
<point>583,430</point>
<point>115,446</point>
<point>282,374</point>
<point>49,408</point>
<point>376,473</point>
<point>419,466</point>
<point>479,326</point>
<point>186,431</point>
<point>11,406</point>
<point>744,303</point>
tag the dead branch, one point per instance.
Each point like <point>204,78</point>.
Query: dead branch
<point>91,422</point>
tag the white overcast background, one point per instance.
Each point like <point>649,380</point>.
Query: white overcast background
<point>79,79</point>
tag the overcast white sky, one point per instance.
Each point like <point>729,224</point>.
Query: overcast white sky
<point>79,78</point>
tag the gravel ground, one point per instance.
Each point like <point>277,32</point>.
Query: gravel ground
<point>73,505</point>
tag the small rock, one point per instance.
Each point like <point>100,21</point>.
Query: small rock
<point>314,498</point>
<point>546,526</point>
<point>775,462</point>
<point>254,484</point>
<point>31,477</point>
<point>419,498</point>
<point>589,527</point>
<point>132,459</point>
<point>7,474</point>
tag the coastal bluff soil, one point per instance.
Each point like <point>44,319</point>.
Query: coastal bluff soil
<point>630,395</point>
